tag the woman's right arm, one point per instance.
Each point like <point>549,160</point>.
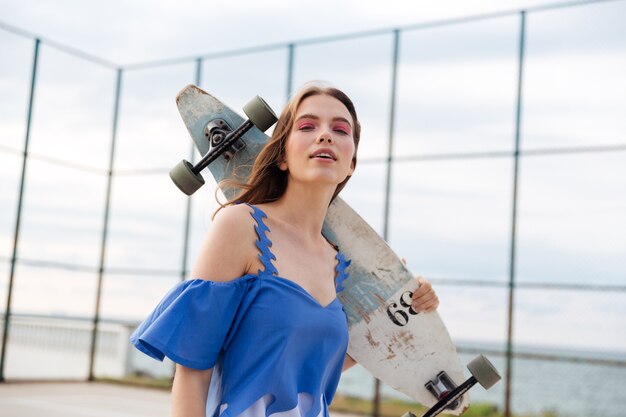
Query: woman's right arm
<point>189,392</point>
<point>348,363</point>
<point>227,253</point>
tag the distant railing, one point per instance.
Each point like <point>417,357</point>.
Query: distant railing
<point>72,334</point>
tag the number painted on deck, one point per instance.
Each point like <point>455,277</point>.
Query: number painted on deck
<point>397,314</point>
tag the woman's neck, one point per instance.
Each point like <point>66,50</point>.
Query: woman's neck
<point>304,207</point>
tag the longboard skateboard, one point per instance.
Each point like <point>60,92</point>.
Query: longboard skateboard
<point>411,352</point>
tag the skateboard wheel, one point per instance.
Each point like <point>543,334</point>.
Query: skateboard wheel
<point>260,113</point>
<point>185,179</point>
<point>485,373</point>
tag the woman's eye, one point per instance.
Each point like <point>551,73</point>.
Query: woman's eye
<point>305,126</point>
<point>342,129</point>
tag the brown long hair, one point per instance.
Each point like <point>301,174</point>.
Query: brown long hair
<point>267,182</point>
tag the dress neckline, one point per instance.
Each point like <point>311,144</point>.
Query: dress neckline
<point>266,256</point>
<point>301,289</point>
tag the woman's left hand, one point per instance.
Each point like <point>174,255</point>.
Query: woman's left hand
<point>424,299</point>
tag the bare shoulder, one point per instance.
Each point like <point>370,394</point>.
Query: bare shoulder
<point>235,218</point>
<point>229,248</point>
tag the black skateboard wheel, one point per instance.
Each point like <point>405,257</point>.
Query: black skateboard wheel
<point>185,179</point>
<point>260,113</point>
<point>485,373</point>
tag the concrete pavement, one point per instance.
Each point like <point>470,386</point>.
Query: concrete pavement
<point>81,399</point>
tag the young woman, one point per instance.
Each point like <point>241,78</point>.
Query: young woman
<point>260,329</point>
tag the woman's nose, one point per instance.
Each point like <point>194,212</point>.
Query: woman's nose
<point>325,137</point>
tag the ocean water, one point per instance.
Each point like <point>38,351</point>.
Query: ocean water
<point>567,388</point>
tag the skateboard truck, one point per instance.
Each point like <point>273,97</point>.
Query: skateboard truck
<point>441,386</point>
<point>223,141</point>
<point>216,131</point>
<point>482,372</point>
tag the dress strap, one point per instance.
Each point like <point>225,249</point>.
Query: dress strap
<point>263,243</point>
<point>342,275</point>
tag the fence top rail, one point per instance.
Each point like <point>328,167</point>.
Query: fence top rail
<point>58,45</point>
<point>306,41</point>
<point>360,34</point>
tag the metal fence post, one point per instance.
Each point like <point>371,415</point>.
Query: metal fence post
<point>389,160</point>
<point>18,220</point>
<point>290,56</point>
<point>105,227</point>
<point>192,156</point>
<point>509,345</point>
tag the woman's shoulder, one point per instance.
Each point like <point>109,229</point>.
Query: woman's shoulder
<point>229,246</point>
<point>235,216</point>
<point>234,224</point>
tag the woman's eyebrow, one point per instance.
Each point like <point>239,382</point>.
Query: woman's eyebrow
<point>314,117</point>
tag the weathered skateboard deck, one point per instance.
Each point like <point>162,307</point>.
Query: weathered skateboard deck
<point>403,349</point>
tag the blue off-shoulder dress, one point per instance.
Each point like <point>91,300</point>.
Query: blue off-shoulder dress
<point>274,349</point>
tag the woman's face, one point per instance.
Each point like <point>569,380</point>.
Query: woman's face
<point>320,146</point>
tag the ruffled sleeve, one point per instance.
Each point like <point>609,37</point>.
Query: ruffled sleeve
<point>193,322</point>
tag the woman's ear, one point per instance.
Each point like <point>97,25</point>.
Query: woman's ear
<point>282,165</point>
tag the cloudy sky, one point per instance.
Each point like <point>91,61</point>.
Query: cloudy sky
<point>451,218</point>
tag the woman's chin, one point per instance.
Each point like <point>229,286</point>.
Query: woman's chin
<point>319,180</point>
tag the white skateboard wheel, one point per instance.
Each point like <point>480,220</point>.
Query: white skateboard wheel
<point>260,113</point>
<point>485,373</point>
<point>185,179</point>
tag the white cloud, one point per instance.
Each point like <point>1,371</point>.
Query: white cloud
<point>131,31</point>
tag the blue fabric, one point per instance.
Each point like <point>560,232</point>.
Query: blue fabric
<point>264,333</point>
<point>263,243</point>
<point>341,268</point>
